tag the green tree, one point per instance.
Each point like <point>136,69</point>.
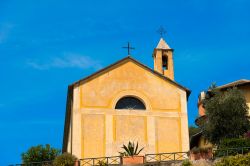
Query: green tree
<point>40,153</point>
<point>226,115</point>
<point>193,130</point>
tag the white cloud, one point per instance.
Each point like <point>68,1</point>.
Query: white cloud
<point>69,60</point>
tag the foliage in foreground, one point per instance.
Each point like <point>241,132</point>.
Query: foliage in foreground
<point>239,160</point>
<point>65,159</point>
<point>233,146</point>
<point>186,163</point>
<point>102,163</point>
<point>234,143</point>
<point>130,149</point>
<point>40,153</point>
<point>226,113</point>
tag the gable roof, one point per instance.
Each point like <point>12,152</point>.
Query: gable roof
<point>162,44</point>
<point>235,83</point>
<point>140,64</point>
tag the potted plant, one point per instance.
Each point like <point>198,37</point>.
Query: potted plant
<point>130,155</point>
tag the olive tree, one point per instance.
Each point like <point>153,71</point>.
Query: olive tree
<point>226,114</point>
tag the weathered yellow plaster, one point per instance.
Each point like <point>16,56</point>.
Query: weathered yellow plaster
<point>246,92</point>
<point>129,77</point>
<point>146,129</point>
<point>114,128</point>
<point>180,140</point>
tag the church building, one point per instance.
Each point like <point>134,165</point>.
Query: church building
<point>128,101</point>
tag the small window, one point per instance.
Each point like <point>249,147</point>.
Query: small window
<point>130,103</point>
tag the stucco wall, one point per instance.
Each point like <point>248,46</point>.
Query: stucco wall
<point>246,92</point>
<point>127,77</point>
<point>101,130</point>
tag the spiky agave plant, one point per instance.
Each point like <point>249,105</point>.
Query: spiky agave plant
<point>130,149</point>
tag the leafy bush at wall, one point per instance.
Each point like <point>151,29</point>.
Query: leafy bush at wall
<point>102,163</point>
<point>239,160</point>
<point>65,159</point>
<point>234,143</point>
<point>233,146</point>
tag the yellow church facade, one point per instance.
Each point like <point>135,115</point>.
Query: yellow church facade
<point>128,101</point>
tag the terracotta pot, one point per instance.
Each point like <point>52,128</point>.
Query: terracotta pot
<point>128,160</point>
<point>209,154</point>
<point>77,163</point>
<point>195,156</point>
<point>203,155</point>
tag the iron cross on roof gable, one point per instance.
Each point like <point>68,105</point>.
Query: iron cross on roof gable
<point>129,48</point>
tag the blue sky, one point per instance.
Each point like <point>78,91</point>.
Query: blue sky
<point>46,45</point>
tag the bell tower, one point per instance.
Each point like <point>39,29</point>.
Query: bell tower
<point>163,59</point>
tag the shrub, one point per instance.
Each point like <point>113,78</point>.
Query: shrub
<point>233,146</point>
<point>40,153</point>
<point>102,163</point>
<point>240,160</point>
<point>65,159</point>
<point>186,163</point>
<point>234,143</point>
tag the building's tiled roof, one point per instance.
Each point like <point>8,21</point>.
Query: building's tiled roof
<point>235,83</point>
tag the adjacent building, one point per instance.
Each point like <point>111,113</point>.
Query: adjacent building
<point>198,140</point>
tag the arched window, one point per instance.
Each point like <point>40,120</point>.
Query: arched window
<point>165,62</point>
<point>130,103</point>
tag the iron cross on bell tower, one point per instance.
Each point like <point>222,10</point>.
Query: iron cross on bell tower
<point>161,31</point>
<point>129,48</point>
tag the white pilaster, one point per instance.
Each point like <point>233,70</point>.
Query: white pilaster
<point>184,123</point>
<point>76,121</point>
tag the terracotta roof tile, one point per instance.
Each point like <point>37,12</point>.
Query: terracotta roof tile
<point>235,83</point>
